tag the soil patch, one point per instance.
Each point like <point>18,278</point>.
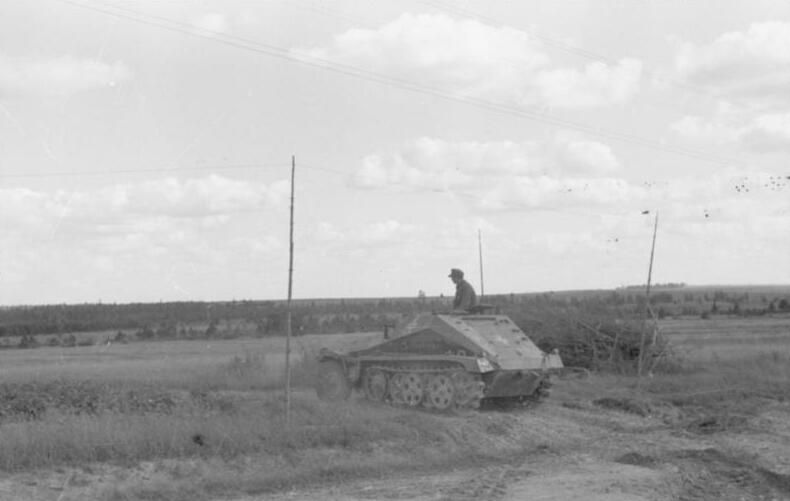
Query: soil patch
<point>712,474</point>
<point>636,459</point>
<point>624,404</point>
<point>717,423</point>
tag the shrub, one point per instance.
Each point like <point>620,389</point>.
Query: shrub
<point>86,341</point>
<point>120,337</point>
<point>28,341</point>
<point>596,342</point>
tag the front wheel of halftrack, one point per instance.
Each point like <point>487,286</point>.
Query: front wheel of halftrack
<point>332,384</point>
<point>468,389</point>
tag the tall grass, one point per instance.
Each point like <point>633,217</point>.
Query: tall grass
<point>725,383</point>
<point>228,408</point>
<point>324,441</point>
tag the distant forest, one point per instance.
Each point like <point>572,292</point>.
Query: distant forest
<point>175,320</point>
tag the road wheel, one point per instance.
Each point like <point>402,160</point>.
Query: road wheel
<point>440,393</point>
<point>406,389</point>
<point>374,382</point>
<point>332,384</point>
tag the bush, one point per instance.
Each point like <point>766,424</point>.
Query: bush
<point>26,342</point>
<point>145,333</point>
<point>594,341</point>
<point>120,337</point>
<point>86,341</point>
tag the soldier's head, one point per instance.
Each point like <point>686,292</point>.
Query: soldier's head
<point>456,275</point>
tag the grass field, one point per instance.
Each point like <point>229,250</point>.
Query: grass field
<point>727,338</point>
<point>211,404</point>
<point>169,362</point>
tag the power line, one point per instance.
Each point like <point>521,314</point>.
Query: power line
<point>573,49</point>
<point>349,70</point>
<point>663,105</point>
<point>173,170</point>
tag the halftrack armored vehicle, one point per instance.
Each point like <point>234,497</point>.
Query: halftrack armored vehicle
<point>443,361</point>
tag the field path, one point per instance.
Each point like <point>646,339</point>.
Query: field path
<point>596,455</point>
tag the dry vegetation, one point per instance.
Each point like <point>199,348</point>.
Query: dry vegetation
<point>131,404</point>
<point>209,414</point>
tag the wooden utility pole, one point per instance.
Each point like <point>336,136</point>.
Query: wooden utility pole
<point>480,252</point>
<point>288,308</point>
<point>647,300</point>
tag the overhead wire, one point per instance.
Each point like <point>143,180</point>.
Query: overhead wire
<point>356,72</point>
<point>172,170</point>
<point>547,41</point>
<point>353,71</point>
<point>575,50</point>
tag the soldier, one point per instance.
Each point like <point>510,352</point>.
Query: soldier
<point>465,297</point>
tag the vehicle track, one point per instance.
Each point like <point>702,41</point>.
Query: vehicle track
<point>711,474</point>
<point>490,483</point>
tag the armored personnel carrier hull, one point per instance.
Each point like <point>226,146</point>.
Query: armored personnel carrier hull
<point>444,361</point>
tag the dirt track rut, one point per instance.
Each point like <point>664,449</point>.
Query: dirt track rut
<point>605,455</point>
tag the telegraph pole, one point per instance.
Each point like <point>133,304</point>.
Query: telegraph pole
<point>288,308</point>
<point>480,252</point>
<point>647,300</point>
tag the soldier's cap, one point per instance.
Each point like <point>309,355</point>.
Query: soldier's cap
<point>455,272</point>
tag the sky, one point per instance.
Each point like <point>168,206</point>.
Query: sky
<point>146,146</point>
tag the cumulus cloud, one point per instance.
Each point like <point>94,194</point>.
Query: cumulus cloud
<point>763,133</point>
<point>149,235</point>
<point>211,21</point>
<point>588,156</point>
<point>753,63</point>
<point>597,84</point>
<point>568,174</point>
<point>59,76</point>
<point>436,164</point>
<point>505,175</point>
<point>546,192</point>
<point>146,204</point>
<point>370,234</point>
<point>499,64</point>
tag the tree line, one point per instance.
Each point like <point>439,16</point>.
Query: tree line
<point>173,320</point>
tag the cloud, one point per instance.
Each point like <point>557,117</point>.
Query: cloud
<point>589,156</point>
<point>754,63</point>
<point>436,164</point>
<point>149,236</point>
<point>211,21</point>
<point>705,129</point>
<point>567,175</point>
<point>370,234</point>
<point>552,193</point>
<point>597,84</point>
<point>144,205</point>
<point>466,57</point>
<point>761,133</point>
<point>769,132</point>
<point>59,76</point>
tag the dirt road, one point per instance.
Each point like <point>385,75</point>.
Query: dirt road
<point>586,451</point>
